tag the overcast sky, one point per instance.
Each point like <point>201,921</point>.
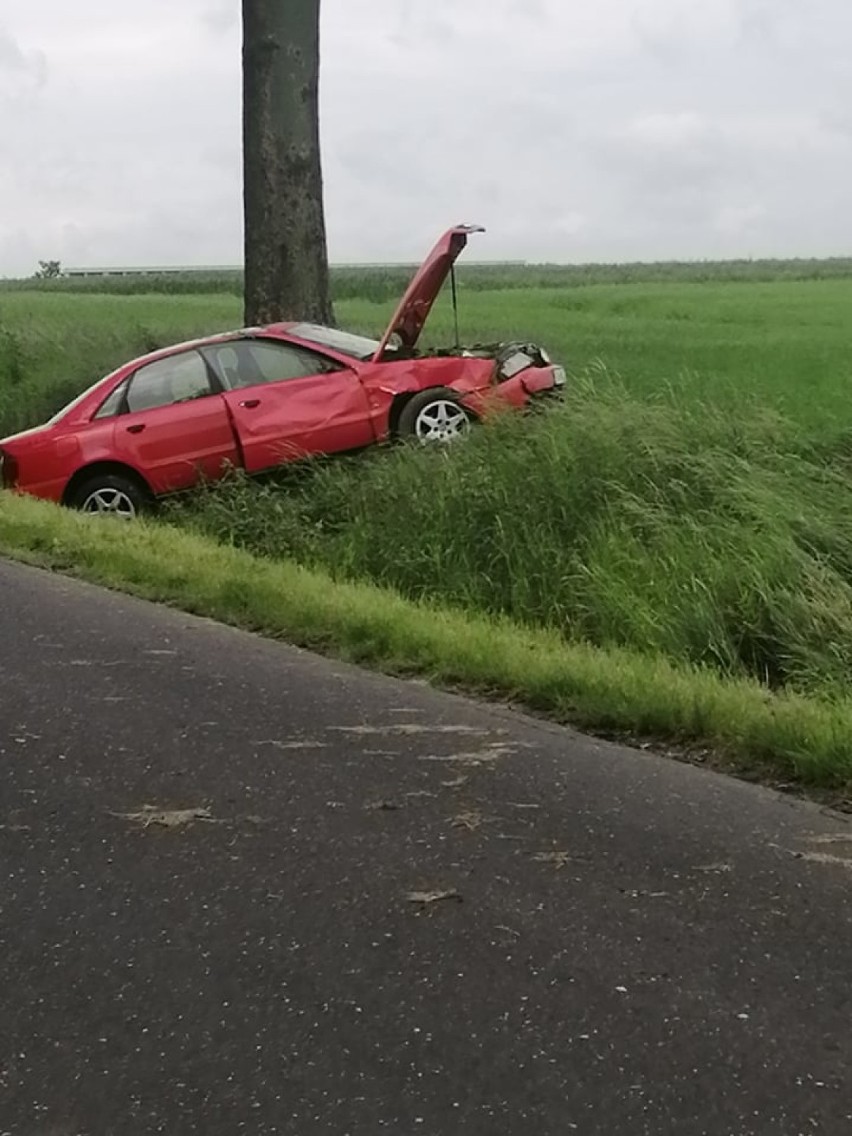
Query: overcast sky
<point>593,130</point>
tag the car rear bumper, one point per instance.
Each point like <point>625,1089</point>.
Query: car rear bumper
<point>45,490</point>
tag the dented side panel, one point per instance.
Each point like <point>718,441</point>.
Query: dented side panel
<point>278,422</point>
<point>171,446</point>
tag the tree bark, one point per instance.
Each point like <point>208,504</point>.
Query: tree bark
<point>286,257</point>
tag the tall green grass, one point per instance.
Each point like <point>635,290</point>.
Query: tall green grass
<point>52,346</point>
<point>666,526</point>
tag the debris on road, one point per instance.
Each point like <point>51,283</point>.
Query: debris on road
<point>296,744</point>
<point>413,729</point>
<point>826,858</point>
<point>456,783</point>
<point>470,820</point>
<point>427,898</point>
<point>473,758</point>
<point>558,858</point>
<point>168,818</point>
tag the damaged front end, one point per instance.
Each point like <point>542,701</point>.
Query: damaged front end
<point>521,371</point>
<point>527,362</point>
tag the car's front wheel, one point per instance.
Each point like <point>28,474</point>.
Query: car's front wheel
<point>434,416</point>
<point>109,495</point>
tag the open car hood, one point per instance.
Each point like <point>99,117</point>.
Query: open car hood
<point>421,293</point>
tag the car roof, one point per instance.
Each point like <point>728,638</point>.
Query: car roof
<point>204,341</point>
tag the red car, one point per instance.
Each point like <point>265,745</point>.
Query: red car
<point>256,398</point>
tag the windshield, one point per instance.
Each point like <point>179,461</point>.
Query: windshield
<point>356,346</point>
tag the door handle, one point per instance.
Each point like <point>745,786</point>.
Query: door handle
<point>250,403</point>
<point>137,429</point>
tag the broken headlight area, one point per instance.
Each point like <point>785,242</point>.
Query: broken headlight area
<point>511,358</point>
<point>519,358</point>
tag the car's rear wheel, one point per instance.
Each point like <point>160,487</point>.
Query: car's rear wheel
<point>109,495</point>
<point>434,416</point>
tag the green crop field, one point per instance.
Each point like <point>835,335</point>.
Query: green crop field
<point>786,344</point>
<point>692,501</point>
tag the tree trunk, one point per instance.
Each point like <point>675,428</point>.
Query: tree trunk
<point>286,258</point>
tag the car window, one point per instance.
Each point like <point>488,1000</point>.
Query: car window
<point>357,346</point>
<point>178,378</point>
<point>113,405</point>
<point>245,362</point>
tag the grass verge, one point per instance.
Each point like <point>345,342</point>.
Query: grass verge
<point>665,527</point>
<point>808,740</point>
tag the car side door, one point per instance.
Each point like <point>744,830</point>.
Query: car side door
<point>172,424</point>
<point>288,402</point>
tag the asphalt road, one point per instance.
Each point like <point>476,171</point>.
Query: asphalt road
<point>627,945</point>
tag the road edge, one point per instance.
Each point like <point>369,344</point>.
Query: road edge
<point>732,724</point>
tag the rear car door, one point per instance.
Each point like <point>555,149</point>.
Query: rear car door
<point>287,402</point>
<point>173,425</point>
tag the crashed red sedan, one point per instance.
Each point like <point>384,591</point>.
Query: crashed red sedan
<point>260,397</point>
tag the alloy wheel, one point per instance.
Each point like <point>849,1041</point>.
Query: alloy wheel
<point>110,502</point>
<point>441,421</point>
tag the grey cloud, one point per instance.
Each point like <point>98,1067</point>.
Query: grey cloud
<point>531,11</point>
<point>613,130</point>
<point>221,17</point>
<point>19,70</point>
<point>11,56</point>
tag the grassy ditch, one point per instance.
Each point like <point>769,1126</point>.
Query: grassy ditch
<point>665,527</point>
<point>614,689</point>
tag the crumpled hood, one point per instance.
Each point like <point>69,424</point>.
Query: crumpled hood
<point>421,293</point>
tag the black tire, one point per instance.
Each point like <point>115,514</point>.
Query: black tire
<point>434,416</point>
<point>110,494</point>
